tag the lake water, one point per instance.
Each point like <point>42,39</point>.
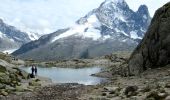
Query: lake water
<point>69,75</point>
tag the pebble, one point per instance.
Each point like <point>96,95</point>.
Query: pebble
<point>111,89</point>
<point>167,85</point>
<point>167,98</point>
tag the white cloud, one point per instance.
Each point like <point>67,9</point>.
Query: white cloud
<point>45,16</point>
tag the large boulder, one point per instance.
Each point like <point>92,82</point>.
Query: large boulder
<point>154,49</point>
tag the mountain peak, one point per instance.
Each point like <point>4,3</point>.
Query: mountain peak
<point>114,4</point>
<point>115,1</point>
<point>143,10</point>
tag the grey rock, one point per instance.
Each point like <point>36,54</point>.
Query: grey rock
<point>2,86</point>
<point>154,49</point>
<point>131,91</point>
<point>167,98</point>
<point>111,89</point>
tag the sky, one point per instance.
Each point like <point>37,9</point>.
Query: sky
<point>46,16</point>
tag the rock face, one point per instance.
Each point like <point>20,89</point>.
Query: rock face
<point>154,49</point>
<point>10,76</point>
<point>113,26</point>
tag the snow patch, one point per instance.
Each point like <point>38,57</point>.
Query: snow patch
<point>12,40</point>
<point>120,17</point>
<point>17,38</point>
<point>33,36</point>
<point>91,33</point>
<point>134,35</point>
<point>144,16</point>
<point>9,51</point>
<point>1,34</point>
<point>120,31</point>
<point>72,31</point>
<point>88,29</point>
<point>106,37</point>
<point>93,21</point>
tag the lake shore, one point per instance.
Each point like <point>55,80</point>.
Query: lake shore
<point>152,84</point>
<point>108,60</point>
<point>148,85</point>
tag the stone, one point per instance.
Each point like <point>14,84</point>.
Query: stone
<point>153,94</point>
<point>34,83</point>
<point>19,89</point>
<point>2,86</point>
<point>4,93</point>
<point>2,74</point>
<point>104,94</point>
<point>23,74</point>
<point>156,95</point>
<point>3,69</point>
<point>162,95</point>
<point>111,89</point>
<point>131,91</point>
<point>167,98</point>
<point>10,89</point>
<point>167,85</point>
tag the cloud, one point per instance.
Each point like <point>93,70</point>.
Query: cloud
<point>40,15</point>
<point>46,16</point>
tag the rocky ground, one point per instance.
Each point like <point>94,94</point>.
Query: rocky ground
<point>53,92</point>
<point>107,60</point>
<point>153,84</point>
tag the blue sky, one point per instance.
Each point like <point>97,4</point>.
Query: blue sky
<point>46,16</point>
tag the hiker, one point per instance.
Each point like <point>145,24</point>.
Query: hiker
<point>35,70</point>
<point>32,69</point>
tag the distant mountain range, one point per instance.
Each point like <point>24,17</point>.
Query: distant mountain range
<point>12,38</point>
<point>113,26</point>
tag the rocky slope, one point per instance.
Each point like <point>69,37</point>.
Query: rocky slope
<point>14,80</point>
<point>111,27</point>
<point>11,38</point>
<point>10,76</point>
<point>154,50</point>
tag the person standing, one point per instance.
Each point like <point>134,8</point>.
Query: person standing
<point>32,69</point>
<point>35,70</point>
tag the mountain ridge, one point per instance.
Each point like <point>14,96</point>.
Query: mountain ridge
<point>112,24</point>
<point>10,37</point>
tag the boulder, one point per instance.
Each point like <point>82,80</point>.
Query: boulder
<point>131,91</point>
<point>167,98</point>
<point>156,95</point>
<point>2,69</point>
<point>2,86</point>
<point>4,93</point>
<point>154,49</point>
<point>34,83</point>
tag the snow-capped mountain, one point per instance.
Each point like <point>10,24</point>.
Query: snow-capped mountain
<point>111,27</point>
<point>11,38</point>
